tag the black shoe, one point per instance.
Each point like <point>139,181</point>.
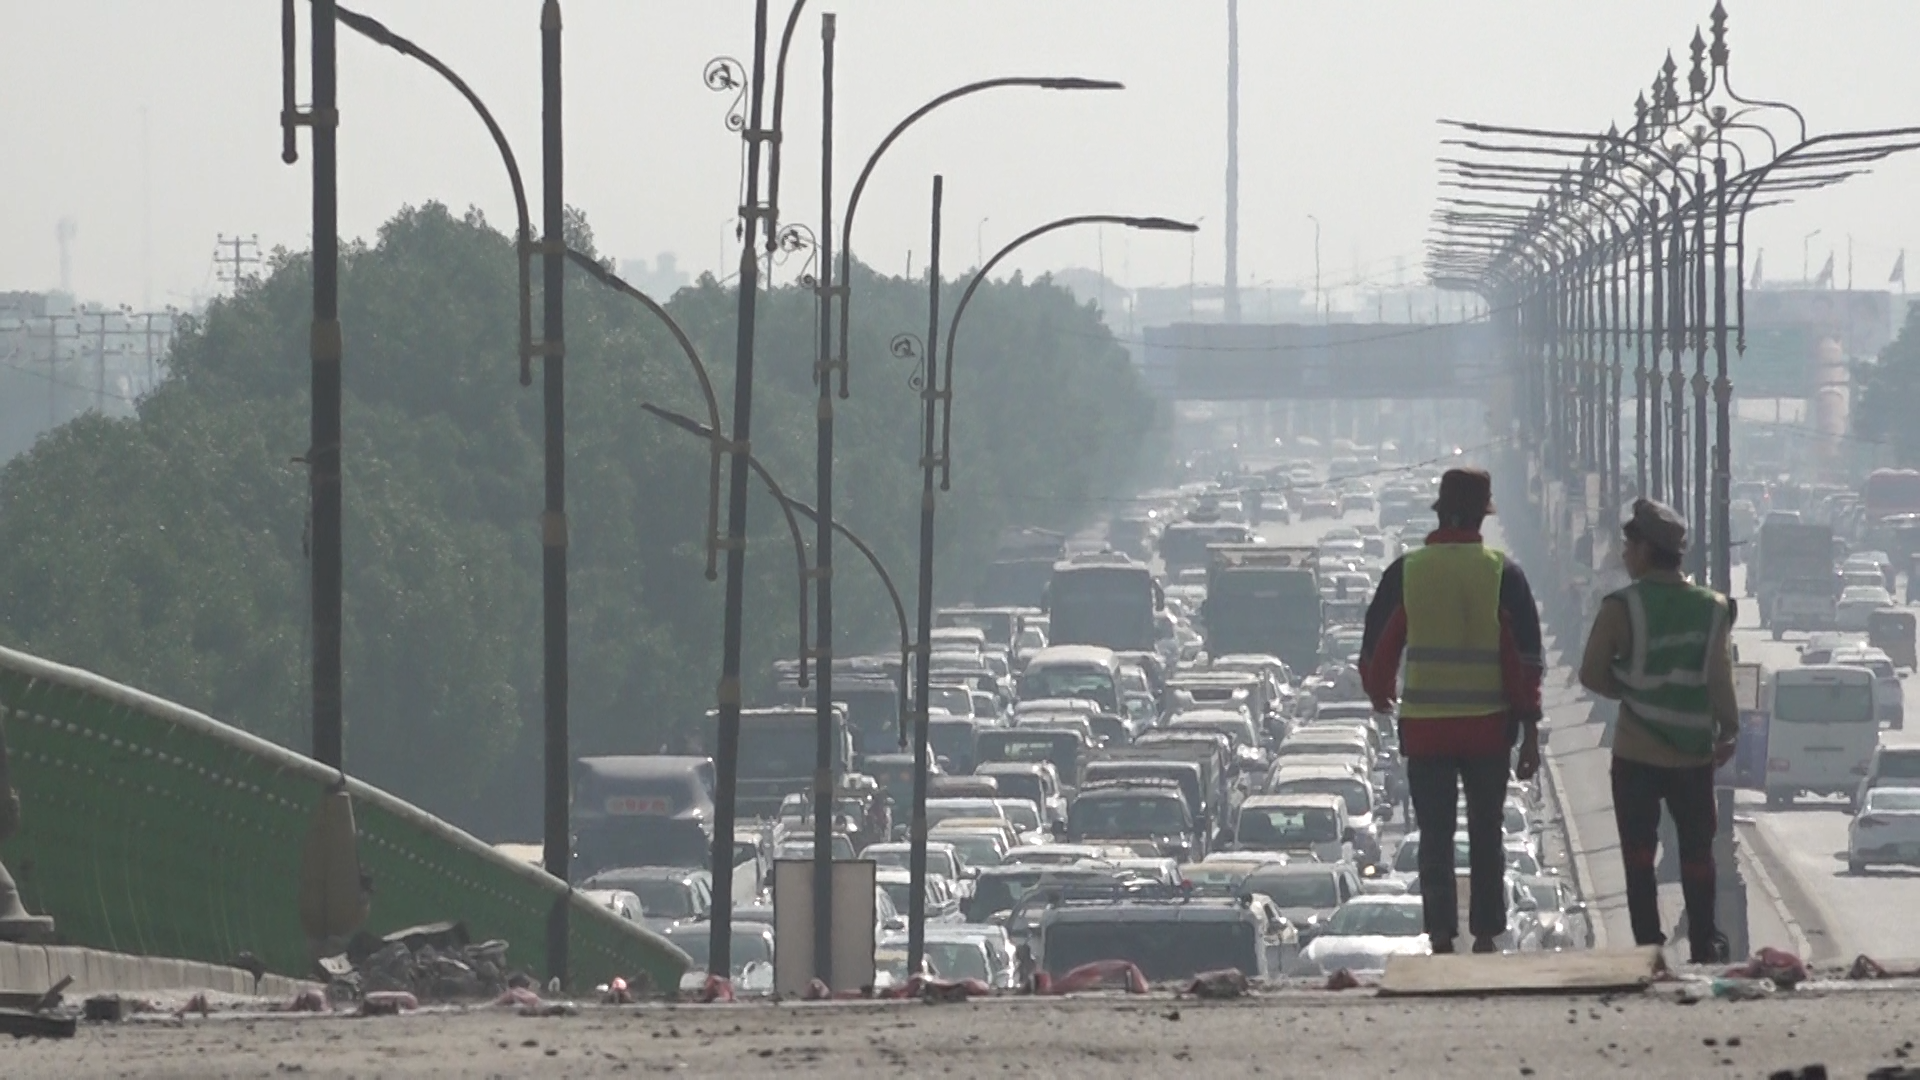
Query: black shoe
<point>1485,945</point>
<point>1718,951</point>
<point>1443,947</point>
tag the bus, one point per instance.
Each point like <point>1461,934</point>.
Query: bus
<point>1824,728</point>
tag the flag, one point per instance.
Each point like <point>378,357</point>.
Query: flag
<point>1899,275</point>
<point>1825,280</point>
<point>1759,272</point>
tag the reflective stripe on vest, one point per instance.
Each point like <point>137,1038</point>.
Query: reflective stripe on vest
<point>1452,601</point>
<point>1665,676</point>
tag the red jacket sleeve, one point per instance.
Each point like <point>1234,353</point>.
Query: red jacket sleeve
<point>1521,679</point>
<point>1380,669</point>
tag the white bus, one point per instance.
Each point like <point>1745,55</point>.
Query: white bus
<point>1822,731</point>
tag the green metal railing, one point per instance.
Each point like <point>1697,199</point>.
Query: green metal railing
<point>155,830</point>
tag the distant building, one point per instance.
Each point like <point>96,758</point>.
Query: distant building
<point>659,281</point>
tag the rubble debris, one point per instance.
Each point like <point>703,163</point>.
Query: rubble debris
<point>518,997</point>
<point>105,1009</point>
<point>1220,985</point>
<point>1782,968</point>
<point>434,963</point>
<point>32,1025</point>
<point>1342,980</point>
<point>615,992</point>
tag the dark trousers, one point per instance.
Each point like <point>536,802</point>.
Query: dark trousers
<point>1435,783</point>
<point>1638,791</point>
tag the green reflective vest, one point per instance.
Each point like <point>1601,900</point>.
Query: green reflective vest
<point>1452,599</point>
<point>1665,675</point>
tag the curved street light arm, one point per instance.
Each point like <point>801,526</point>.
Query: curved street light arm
<point>899,608</point>
<point>779,124</point>
<point>375,31</point>
<point>688,423</point>
<point>945,392</point>
<point>873,159</point>
<point>717,445</point>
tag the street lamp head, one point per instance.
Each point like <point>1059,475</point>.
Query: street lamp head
<point>1079,84</point>
<point>1160,224</point>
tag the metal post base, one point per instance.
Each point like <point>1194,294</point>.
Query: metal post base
<point>15,924</point>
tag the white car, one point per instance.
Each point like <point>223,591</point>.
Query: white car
<point>1886,831</point>
<point>1364,933</point>
<point>1888,704</point>
<point>1857,602</point>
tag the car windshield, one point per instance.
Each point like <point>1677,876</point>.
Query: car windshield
<point>959,960</point>
<point>1283,825</point>
<point>1377,920</point>
<point>1127,816</point>
<point>662,899</point>
<point>1822,702</point>
<point>974,849</point>
<point>1021,812</point>
<point>1353,789</point>
<point>1905,765</point>
<point>1546,894</point>
<point>1312,889</point>
<point>1893,799</point>
<point>1092,683</point>
<point>952,700</point>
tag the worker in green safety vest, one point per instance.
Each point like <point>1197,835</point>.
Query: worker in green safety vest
<point>1661,648</point>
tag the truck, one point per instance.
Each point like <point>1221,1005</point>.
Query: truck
<point>777,755</point>
<point>1264,598</point>
<point>1105,599</point>
<point>1021,568</point>
<point>1794,579</point>
<point>1184,544</point>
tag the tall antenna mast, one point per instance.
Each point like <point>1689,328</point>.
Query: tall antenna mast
<point>1232,296</point>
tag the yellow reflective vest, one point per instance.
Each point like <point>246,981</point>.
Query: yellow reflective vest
<point>1451,593</point>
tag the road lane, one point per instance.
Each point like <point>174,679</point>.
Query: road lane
<point>1843,914</point>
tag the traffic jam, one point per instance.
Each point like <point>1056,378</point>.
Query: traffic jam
<point>1148,744</point>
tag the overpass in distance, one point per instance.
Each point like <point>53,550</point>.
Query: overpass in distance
<point>1379,361</point>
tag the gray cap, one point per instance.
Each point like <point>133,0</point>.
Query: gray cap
<point>1657,525</point>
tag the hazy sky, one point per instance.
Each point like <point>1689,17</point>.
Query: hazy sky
<point>154,124</point>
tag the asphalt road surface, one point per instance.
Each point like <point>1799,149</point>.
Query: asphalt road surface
<point>1805,845</point>
<point>1319,1034</point>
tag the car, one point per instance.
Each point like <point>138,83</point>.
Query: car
<point>619,901</point>
<point>1857,602</point>
<point>1003,964</point>
<point>1319,504</point>
<point>1364,933</point>
<point>1168,932</point>
<point>943,858</point>
<point>1358,503</point>
<point>1888,705</point>
<point>667,894</point>
<point>1554,907</point>
<point>1886,831</point>
<point>1358,792</point>
<point>942,901</point>
<point>750,953</point>
<point>1888,766</point>
<point>1820,647</point>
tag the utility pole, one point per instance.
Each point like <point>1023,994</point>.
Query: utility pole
<point>53,368</point>
<point>1233,162</point>
<point>923,647</point>
<point>326,352</point>
<point>824,765</point>
<point>232,256</point>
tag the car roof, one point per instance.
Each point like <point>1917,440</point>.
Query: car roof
<point>1301,798</point>
<point>1072,654</point>
<point>1385,899</point>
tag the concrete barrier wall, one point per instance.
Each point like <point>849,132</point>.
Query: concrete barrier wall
<point>35,968</point>
<point>153,830</point>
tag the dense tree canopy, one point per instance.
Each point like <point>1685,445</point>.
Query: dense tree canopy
<point>167,550</point>
<point>1886,395</point>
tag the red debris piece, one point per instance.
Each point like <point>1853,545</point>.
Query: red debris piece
<point>517,997</point>
<point>1782,968</point>
<point>1101,975</point>
<point>1219,985</point>
<point>1342,980</point>
<point>389,1003</point>
<point>715,989</point>
<point>197,1004</point>
<point>617,993</point>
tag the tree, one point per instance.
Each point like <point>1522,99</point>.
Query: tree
<point>1887,394</point>
<point>167,550</point>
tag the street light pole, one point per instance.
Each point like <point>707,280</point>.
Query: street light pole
<point>823,541</point>
<point>558,842</point>
<point>727,740</point>
<point>323,451</point>
<point>923,647</point>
